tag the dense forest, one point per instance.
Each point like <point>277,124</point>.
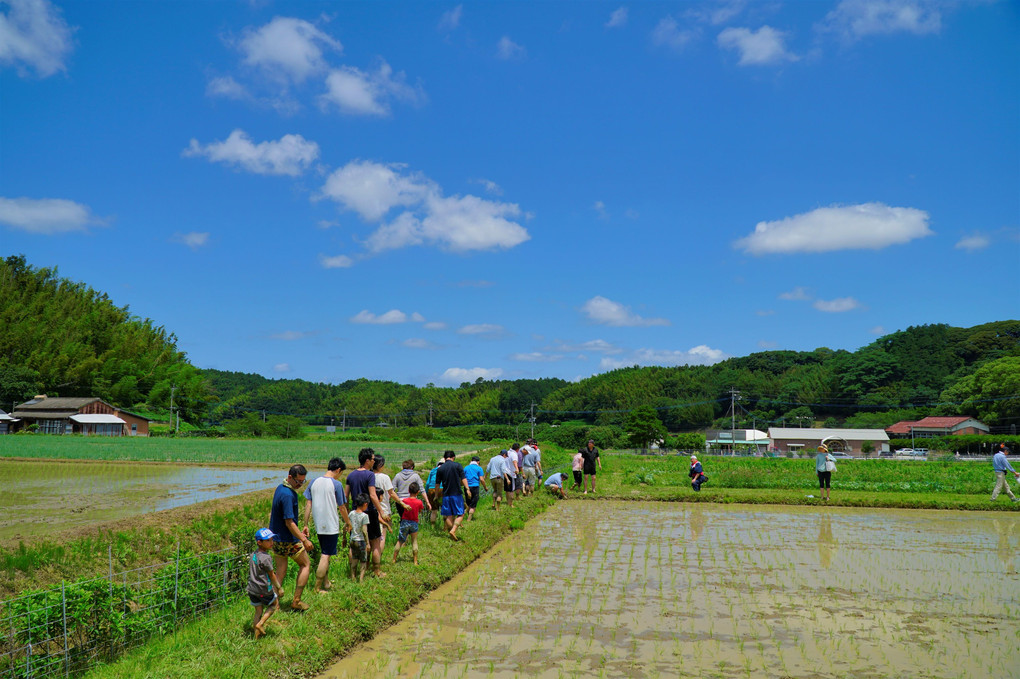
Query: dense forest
<point>63,338</point>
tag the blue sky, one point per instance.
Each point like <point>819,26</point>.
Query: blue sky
<point>436,192</point>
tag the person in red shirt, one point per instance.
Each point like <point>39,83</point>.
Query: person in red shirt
<point>409,509</point>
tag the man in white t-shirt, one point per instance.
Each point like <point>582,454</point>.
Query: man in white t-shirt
<point>326,503</point>
<point>514,457</point>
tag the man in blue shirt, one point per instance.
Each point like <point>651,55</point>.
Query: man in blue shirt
<point>555,484</point>
<point>475,475</point>
<point>290,542</point>
<point>1001,465</point>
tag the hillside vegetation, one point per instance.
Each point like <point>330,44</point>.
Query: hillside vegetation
<point>63,338</point>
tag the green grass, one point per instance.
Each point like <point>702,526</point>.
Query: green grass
<point>204,450</point>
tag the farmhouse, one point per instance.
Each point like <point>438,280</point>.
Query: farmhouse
<point>795,440</point>
<point>931,427</point>
<point>6,422</point>
<point>90,416</point>
<point>727,440</point>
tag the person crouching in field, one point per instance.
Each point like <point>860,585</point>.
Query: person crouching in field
<point>697,474</point>
<point>261,573</point>
<point>359,536</point>
<point>411,507</point>
<point>555,484</point>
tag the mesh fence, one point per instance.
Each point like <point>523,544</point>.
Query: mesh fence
<point>65,630</point>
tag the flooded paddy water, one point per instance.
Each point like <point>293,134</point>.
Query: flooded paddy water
<point>46,497</point>
<point>611,589</point>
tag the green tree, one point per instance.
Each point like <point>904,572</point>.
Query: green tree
<point>991,394</point>
<point>644,427</point>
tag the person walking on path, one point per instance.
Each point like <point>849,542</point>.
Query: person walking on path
<point>591,459</point>
<point>514,455</point>
<point>290,542</point>
<point>411,506</point>
<point>577,467</point>
<point>825,464</point>
<point>434,494</point>
<point>359,544</point>
<point>327,504</point>
<point>1001,465</point>
<point>450,478</point>
<point>496,469</point>
<point>362,481</point>
<point>697,474</point>
<point>260,576</point>
<point>402,483</point>
<point>384,489</point>
<point>475,477</point>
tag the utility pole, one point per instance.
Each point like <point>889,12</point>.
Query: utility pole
<point>430,413</point>
<point>532,418</point>
<point>173,388</point>
<point>343,426</point>
<point>734,395</point>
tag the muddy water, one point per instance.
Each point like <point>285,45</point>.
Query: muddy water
<point>42,498</point>
<point>600,589</point>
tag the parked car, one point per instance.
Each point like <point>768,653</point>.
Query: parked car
<point>840,455</point>
<point>912,452</point>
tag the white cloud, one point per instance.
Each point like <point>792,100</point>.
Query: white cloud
<point>463,223</point>
<point>721,12</point>
<point>756,48</point>
<point>667,33</point>
<point>973,242</point>
<point>461,375</point>
<point>767,344</point>
<point>390,317</point>
<point>699,355</point>
<point>418,343</point>
<point>292,335</point>
<point>227,87</point>
<point>537,357</point>
<point>373,189</point>
<point>46,216</point>
<point>618,18</point>
<point>596,346</point>
<point>607,312</point>
<point>838,305</point>
<point>282,368</point>
<point>335,262</point>
<point>600,209</point>
<point>435,325</point>
<point>34,36</point>
<point>450,20</point>
<point>193,239</point>
<point>877,330</point>
<point>491,187</point>
<point>869,226</point>
<point>287,49</point>
<point>798,294</point>
<point>855,19</point>
<point>358,92</point>
<point>508,49</point>
<point>291,155</point>
<point>486,329</point>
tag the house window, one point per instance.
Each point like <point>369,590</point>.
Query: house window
<point>51,426</point>
<point>134,429</point>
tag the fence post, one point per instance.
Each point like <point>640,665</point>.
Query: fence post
<point>63,605</point>
<point>225,559</point>
<point>28,648</point>
<point>177,575</point>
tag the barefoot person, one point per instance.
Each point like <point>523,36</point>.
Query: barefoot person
<point>475,477</point>
<point>555,483</point>
<point>496,470</point>
<point>290,542</point>
<point>362,481</point>
<point>592,464</point>
<point>327,505</point>
<point>359,545</point>
<point>451,479</point>
<point>411,507</point>
<point>260,575</point>
<point>825,464</point>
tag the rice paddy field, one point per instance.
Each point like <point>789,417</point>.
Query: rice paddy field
<point>635,589</point>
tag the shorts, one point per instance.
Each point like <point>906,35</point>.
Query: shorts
<point>824,479</point>
<point>453,505</point>
<point>374,529</point>
<point>589,471</point>
<point>327,543</point>
<point>262,599</point>
<point>472,501</point>
<point>359,551</point>
<point>555,490</point>
<point>406,528</point>
<point>529,476</point>
<point>288,549</point>
<point>497,487</point>
<point>578,477</point>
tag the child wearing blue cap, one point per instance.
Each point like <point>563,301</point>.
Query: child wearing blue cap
<point>261,572</point>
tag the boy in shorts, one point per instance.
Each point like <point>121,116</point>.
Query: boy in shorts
<point>261,574</point>
<point>411,506</point>
<point>359,536</point>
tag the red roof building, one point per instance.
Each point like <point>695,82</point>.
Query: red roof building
<point>932,427</point>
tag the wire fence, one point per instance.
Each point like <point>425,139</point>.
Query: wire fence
<point>64,631</point>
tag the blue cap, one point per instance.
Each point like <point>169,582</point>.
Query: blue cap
<point>264,534</point>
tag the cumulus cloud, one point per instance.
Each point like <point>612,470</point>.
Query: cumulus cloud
<point>667,33</point>
<point>756,48</point>
<point>600,209</point>
<point>877,330</point>
<point>798,294</point>
<point>46,216</point>
<point>373,189</point>
<point>34,37</point>
<point>607,312</point>
<point>418,343</point>
<point>227,87</point>
<point>461,375</point>
<point>836,306</point>
<point>507,49</point>
<point>973,242</point>
<point>282,368</point>
<point>537,357</point>
<point>618,18</point>
<point>490,187</point>
<point>435,325</point>
<point>390,317</point>
<point>291,155</point>
<point>869,226</point>
<point>599,346</point>
<point>718,12</point>
<point>856,19</point>
<point>369,93</point>
<point>335,262</point>
<point>482,329</point>
<point>699,355</point>
<point>192,239</point>
<point>450,20</point>
<point>287,49</point>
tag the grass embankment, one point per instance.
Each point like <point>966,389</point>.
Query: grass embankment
<point>211,451</point>
<point>303,644</point>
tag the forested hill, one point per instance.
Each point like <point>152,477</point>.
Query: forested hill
<point>63,338</point>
